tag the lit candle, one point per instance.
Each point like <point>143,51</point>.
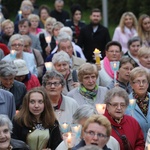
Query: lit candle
<point>76,128</point>
<point>132,103</point>
<point>97,57</point>
<point>20,14</point>
<point>115,65</point>
<point>101,108</point>
<point>13,54</point>
<point>49,66</point>
<point>48,39</point>
<point>69,139</point>
<point>64,127</point>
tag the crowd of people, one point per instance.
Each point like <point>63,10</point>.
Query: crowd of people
<point>50,76</point>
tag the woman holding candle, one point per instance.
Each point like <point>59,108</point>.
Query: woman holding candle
<point>125,66</point>
<point>127,29</point>
<point>35,123</point>
<point>61,62</point>
<point>88,92</point>
<point>139,81</point>
<point>125,129</point>
<point>64,106</point>
<point>113,52</point>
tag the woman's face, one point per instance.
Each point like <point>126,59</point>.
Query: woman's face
<point>91,135</point>
<point>8,29</point>
<point>48,27</point>
<point>8,81</point>
<point>134,48</point>
<point>146,24</point>
<point>4,137</point>
<point>36,104</point>
<point>128,21</point>
<point>89,81</point>
<point>77,15</point>
<point>56,31</point>
<point>54,87</point>
<point>145,61</point>
<point>34,23</point>
<point>140,85</point>
<point>44,14</point>
<point>62,67</point>
<point>116,107</point>
<point>18,46</point>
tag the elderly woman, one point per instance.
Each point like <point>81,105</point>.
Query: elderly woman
<point>125,66</point>
<point>5,136</point>
<point>8,72</point>
<point>144,57</point>
<point>17,44</point>
<point>35,123</point>
<point>139,80</point>
<point>61,62</point>
<point>144,29</point>
<point>64,106</point>
<point>8,30</point>
<point>34,21</point>
<point>127,29</point>
<point>134,45</point>
<point>124,127</point>
<point>97,125</point>
<point>88,92</point>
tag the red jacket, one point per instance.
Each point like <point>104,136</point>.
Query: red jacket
<point>5,49</point>
<point>129,127</point>
<point>32,82</point>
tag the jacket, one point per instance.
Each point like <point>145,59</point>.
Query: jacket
<point>130,128</point>
<point>21,132</point>
<point>89,40</point>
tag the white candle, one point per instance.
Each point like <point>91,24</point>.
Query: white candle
<point>48,39</point>
<point>148,147</point>
<point>20,14</point>
<point>101,108</point>
<point>115,65</point>
<point>132,103</point>
<point>49,66</point>
<point>13,54</point>
<point>69,139</point>
<point>65,125</point>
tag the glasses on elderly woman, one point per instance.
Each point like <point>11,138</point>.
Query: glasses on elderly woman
<point>92,134</point>
<point>138,82</point>
<point>17,45</point>
<point>116,105</point>
<point>56,84</point>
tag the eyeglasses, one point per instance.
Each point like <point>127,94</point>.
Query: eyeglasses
<point>138,82</point>
<point>16,45</point>
<point>56,84</point>
<point>92,134</point>
<point>115,105</point>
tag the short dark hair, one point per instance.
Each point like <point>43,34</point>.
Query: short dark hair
<point>111,43</point>
<point>95,10</point>
<point>44,7</point>
<point>134,39</point>
<point>22,21</point>
<point>74,8</point>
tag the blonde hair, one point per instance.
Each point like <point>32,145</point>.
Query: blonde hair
<point>101,120</point>
<point>87,69</point>
<point>143,51</point>
<point>50,20</point>
<point>122,25</point>
<point>6,22</point>
<point>33,16</point>
<point>141,33</point>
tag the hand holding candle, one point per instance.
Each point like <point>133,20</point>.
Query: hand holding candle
<point>101,108</point>
<point>97,55</point>
<point>13,54</point>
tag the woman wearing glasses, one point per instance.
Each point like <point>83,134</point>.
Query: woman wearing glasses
<point>125,129</point>
<point>35,123</point>
<point>139,80</point>
<point>96,131</point>
<point>64,106</point>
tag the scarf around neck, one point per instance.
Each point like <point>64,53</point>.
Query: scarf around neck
<point>88,94</point>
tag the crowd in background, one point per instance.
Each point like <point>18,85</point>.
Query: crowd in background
<point>49,75</point>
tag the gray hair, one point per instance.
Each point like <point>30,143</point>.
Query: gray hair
<point>116,91</point>
<point>51,75</point>
<point>61,56</point>
<point>84,111</point>
<point>134,39</point>
<point>63,36</point>
<point>89,147</point>
<point>7,69</point>
<point>4,120</point>
<point>68,30</point>
<point>16,37</point>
